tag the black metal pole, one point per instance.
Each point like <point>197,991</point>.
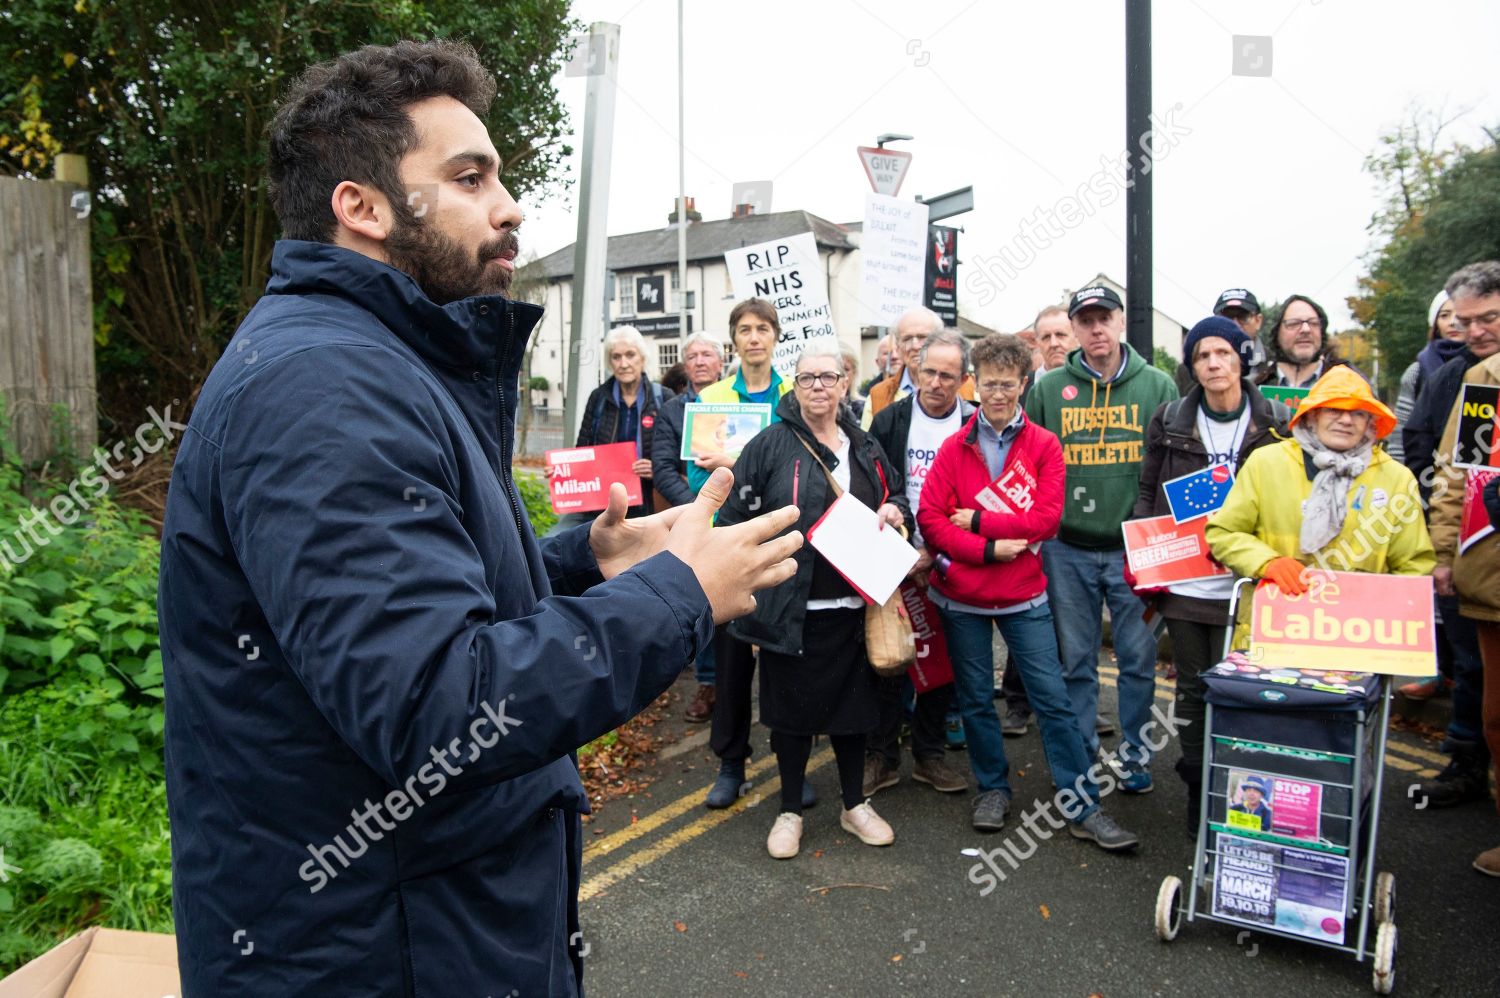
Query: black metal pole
<point>1138,309</point>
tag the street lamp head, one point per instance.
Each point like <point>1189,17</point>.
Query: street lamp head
<point>881,140</point>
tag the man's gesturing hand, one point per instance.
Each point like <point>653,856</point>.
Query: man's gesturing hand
<point>619,543</point>
<point>733,563</point>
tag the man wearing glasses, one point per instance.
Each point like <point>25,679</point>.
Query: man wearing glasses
<point>911,430</point>
<point>1475,293</point>
<point>912,330</point>
<point>1300,350</point>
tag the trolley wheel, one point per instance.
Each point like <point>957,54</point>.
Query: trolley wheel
<point>1384,977</point>
<point>1168,910</point>
<point>1385,897</point>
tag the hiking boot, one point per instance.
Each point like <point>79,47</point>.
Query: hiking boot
<point>1100,829</point>
<point>702,707</point>
<point>989,811</point>
<point>1488,862</point>
<point>728,786</point>
<point>1466,778</point>
<point>863,823</point>
<point>939,775</point>
<point>785,840</point>
<point>878,776</point>
<point>1016,723</point>
<point>1103,725</point>
<point>1137,779</point>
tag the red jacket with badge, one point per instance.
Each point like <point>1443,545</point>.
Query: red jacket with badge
<point>1034,466</point>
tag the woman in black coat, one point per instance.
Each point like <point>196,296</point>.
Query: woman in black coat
<point>1220,420</point>
<point>814,676</point>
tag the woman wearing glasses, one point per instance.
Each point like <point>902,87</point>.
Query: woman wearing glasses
<point>814,677</point>
<point>987,575</point>
<point>1326,499</point>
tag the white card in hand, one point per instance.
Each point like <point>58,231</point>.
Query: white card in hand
<point>872,560</point>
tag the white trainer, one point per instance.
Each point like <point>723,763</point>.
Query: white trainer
<point>870,828</point>
<point>786,836</point>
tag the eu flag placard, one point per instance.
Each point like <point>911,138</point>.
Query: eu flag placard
<point>1198,494</point>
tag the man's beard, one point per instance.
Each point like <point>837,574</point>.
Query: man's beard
<point>443,269</point>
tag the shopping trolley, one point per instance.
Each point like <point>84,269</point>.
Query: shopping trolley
<point>1293,764</point>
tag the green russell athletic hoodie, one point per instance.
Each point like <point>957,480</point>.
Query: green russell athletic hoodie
<point>1102,426</point>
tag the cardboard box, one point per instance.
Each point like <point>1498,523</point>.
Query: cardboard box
<point>101,963</point>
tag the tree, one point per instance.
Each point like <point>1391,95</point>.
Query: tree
<point>169,101</point>
<point>1162,360</point>
<point>1442,211</point>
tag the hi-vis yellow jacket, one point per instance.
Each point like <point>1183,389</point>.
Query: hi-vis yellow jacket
<point>1384,530</point>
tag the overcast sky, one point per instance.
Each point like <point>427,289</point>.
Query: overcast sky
<point>1258,179</point>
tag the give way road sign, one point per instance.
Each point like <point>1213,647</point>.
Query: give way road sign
<point>886,168</point>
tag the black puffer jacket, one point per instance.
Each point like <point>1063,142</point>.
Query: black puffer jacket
<point>775,470</point>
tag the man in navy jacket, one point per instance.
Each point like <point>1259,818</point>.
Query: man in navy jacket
<point>375,675</point>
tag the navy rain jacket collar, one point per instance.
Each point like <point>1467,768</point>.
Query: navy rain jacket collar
<point>486,331</point>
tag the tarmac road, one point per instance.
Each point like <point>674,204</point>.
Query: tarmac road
<point>685,901</point>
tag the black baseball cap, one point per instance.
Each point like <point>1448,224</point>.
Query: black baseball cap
<point>1237,298</point>
<point>1096,296</point>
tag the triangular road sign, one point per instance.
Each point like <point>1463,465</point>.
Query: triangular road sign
<point>886,168</point>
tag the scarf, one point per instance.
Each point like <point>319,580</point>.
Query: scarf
<point>1323,518</point>
<point>1437,353</point>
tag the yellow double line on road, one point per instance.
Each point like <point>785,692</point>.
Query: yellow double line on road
<point>762,793</point>
<point>1168,692</point>
<point>769,792</point>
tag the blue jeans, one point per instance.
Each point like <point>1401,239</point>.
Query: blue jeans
<point>1032,641</point>
<point>1079,582</point>
<point>1465,725</point>
<point>703,666</point>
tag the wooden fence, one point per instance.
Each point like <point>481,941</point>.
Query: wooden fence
<point>46,317</point>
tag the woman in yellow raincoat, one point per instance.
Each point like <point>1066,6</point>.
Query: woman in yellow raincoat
<point>1326,499</point>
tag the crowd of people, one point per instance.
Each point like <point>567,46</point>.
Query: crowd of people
<point>1097,431</point>
<point>347,504</point>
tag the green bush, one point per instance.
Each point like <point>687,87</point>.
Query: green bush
<point>83,818</point>
<point>538,502</point>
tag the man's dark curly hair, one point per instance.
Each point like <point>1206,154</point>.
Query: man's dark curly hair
<point>347,120</point>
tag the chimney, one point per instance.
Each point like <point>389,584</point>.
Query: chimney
<point>744,210</point>
<point>693,214</point>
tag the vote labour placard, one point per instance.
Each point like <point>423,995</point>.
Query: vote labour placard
<point>1478,437</point>
<point>1163,552</point>
<point>1347,621</point>
<point>1014,490</point>
<point>788,273</point>
<point>581,476</point>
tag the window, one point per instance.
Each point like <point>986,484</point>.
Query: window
<point>627,296</point>
<point>692,300</point>
<point>666,355</point>
<point>728,354</point>
<point>675,275</point>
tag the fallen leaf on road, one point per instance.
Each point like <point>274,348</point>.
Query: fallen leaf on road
<point>1046,912</point>
<point>896,958</point>
<point>634,818</point>
<point>741,974</point>
<point>817,854</point>
<point>679,926</point>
